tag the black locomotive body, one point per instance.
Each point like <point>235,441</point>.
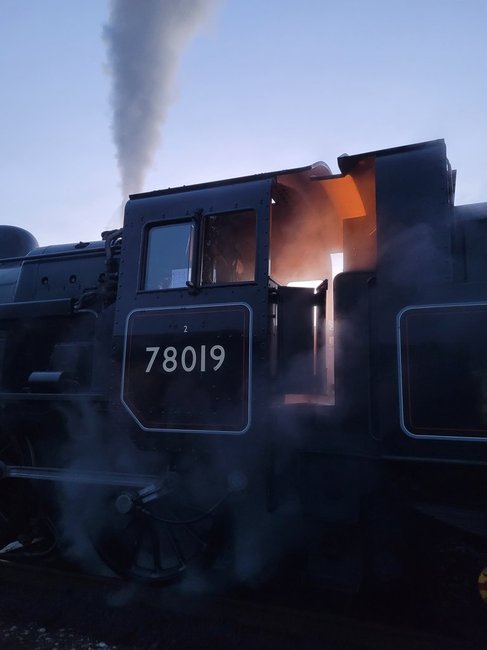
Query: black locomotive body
<point>287,369</point>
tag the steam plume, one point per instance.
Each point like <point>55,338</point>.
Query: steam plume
<point>145,39</point>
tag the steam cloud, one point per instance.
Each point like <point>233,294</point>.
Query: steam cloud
<point>145,39</point>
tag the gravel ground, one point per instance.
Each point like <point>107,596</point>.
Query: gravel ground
<point>42,612</point>
<point>32,637</point>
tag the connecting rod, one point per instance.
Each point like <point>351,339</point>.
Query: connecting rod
<point>88,477</point>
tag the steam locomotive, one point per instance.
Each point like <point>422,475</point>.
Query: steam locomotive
<point>285,371</point>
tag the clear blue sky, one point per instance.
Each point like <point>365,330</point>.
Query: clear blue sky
<point>264,85</point>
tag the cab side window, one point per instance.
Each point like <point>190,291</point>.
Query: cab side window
<point>168,256</point>
<point>229,245</point>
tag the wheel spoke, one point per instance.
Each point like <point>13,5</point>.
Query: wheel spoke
<point>189,528</point>
<point>137,545</point>
<point>156,550</point>
<point>176,546</point>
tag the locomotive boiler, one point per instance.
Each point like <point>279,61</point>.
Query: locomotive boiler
<point>285,371</point>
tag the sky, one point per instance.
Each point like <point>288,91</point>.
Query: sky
<point>262,85</point>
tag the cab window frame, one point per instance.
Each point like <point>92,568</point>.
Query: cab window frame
<point>191,258</point>
<point>250,213</point>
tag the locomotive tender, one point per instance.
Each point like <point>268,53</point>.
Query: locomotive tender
<point>283,368</point>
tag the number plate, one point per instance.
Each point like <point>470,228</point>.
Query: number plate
<point>189,369</point>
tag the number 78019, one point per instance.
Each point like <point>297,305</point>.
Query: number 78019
<point>190,359</point>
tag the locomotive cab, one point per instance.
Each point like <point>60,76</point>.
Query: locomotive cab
<point>231,305</point>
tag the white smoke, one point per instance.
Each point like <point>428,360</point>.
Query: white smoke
<point>145,39</point>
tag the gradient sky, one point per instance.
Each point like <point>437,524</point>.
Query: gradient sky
<point>264,85</point>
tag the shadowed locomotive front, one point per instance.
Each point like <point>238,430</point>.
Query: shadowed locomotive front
<point>281,371</point>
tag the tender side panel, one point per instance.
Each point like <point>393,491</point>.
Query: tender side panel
<point>443,371</point>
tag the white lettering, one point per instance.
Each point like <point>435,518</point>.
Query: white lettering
<point>217,353</point>
<point>155,352</point>
<point>184,355</point>
<point>170,359</point>
<point>190,358</point>
<point>203,359</point>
